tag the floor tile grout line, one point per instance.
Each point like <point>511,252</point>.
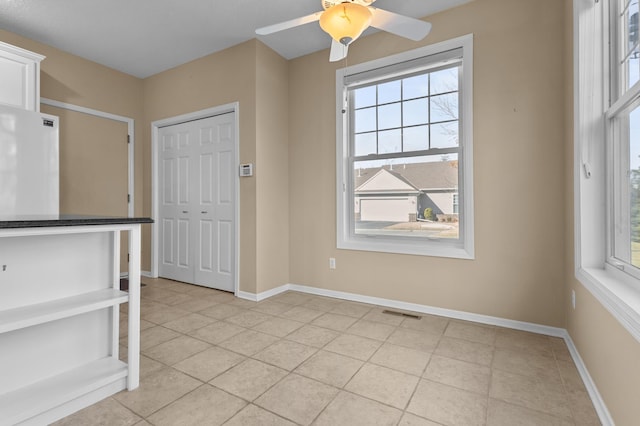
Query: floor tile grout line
<point>191,391</point>
<point>128,409</point>
<point>257,397</point>
<point>325,407</point>
<point>171,402</point>
<point>281,380</point>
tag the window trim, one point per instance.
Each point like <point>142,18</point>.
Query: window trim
<point>462,248</point>
<point>616,290</point>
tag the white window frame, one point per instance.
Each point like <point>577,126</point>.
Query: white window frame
<point>463,247</point>
<point>594,83</point>
<point>622,101</point>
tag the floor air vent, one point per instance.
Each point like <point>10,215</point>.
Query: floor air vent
<point>401,314</point>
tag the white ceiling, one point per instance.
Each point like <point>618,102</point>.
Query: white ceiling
<point>145,37</point>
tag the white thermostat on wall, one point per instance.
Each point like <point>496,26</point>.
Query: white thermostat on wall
<point>246,170</point>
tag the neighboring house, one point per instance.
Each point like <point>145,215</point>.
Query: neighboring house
<point>401,193</point>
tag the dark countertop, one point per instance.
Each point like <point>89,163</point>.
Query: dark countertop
<point>39,221</point>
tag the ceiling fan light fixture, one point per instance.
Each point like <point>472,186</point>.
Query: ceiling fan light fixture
<point>345,22</point>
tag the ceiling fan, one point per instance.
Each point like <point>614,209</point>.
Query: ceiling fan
<point>345,20</point>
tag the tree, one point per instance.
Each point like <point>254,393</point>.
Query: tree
<point>428,214</point>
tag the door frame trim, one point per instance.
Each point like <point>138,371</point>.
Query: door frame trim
<point>233,107</point>
<point>130,131</point>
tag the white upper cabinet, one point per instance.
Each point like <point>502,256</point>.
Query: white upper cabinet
<point>19,77</point>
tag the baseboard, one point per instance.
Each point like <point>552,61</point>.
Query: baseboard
<point>247,296</point>
<point>596,398</point>
<point>396,304</point>
<point>425,309</point>
<point>264,295</point>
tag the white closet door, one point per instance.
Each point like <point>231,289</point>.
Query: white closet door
<point>197,183</point>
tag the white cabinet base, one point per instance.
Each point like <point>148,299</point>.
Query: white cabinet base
<point>59,319</point>
<point>51,399</point>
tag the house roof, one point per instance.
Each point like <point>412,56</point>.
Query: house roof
<point>422,176</point>
<point>386,181</point>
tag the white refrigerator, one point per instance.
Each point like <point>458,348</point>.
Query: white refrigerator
<point>29,163</point>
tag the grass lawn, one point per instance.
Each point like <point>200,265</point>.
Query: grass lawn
<point>635,254</point>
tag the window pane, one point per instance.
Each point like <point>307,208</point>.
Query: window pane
<point>389,116</point>
<point>444,135</point>
<point>444,81</point>
<point>416,198</point>
<point>415,112</point>
<point>444,107</point>
<point>365,120</point>
<point>389,92</point>
<point>365,144</point>
<point>632,25</point>
<point>415,138</point>
<point>633,69</point>
<point>364,96</point>
<point>389,141</point>
<point>634,185</point>
<point>627,187</point>
<point>631,52</point>
<point>415,87</point>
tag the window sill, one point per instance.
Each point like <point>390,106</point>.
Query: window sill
<point>619,297</point>
<point>422,248</point>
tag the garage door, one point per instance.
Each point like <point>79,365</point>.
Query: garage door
<point>385,209</point>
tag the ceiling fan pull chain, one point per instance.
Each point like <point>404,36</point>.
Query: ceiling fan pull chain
<point>345,103</point>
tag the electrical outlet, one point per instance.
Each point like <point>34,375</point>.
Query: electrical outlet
<point>332,263</point>
<point>573,299</point>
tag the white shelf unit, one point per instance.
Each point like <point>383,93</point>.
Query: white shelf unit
<point>59,319</point>
<point>14,319</point>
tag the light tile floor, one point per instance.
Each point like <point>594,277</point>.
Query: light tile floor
<point>209,358</point>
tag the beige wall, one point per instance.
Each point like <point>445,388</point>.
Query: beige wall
<point>518,171</point>
<point>610,354</point>
<point>222,78</point>
<point>272,169</point>
<point>255,77</point>
<point>69,78</point>
<point>93,170</point>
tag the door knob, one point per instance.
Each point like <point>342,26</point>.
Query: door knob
<point>185,211</point>
<point>204,212</point>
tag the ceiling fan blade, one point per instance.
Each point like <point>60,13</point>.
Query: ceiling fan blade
<point>270,29</point>
<point>400,25</point>
<point>338,51</point>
